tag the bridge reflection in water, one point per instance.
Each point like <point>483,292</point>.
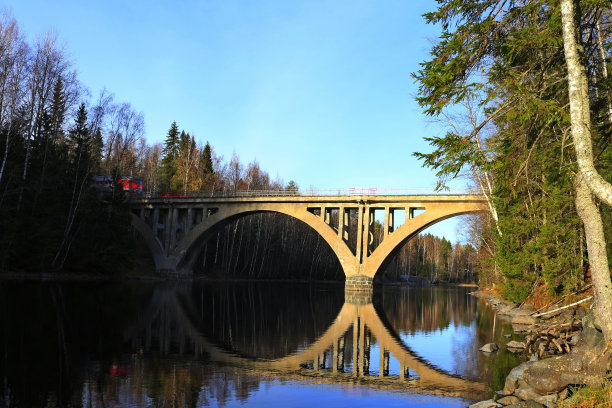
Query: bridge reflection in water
<point>357,347</point>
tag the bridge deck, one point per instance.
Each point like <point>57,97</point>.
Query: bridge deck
<point>354,199</point>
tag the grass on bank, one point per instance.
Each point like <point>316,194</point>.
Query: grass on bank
<point>589,397</point>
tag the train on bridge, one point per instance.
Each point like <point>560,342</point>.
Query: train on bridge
<point>129,185</point>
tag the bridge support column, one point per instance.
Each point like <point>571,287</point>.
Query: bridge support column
<point>358,283</point>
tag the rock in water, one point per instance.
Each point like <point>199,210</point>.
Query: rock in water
<point>518,316</point>
<point>489,348</point>
<point>515,346</point>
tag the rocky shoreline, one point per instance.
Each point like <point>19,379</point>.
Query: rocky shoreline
<point>564,345</point>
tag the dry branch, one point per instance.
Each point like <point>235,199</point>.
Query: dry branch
<point>563,307</point>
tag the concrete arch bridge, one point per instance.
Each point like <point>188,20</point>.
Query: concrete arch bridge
<point>176,228</point>
<point>169,319</point>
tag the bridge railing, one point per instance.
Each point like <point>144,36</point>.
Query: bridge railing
<point>312,193</point>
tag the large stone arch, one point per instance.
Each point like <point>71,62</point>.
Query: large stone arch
<point>381,256</point>
<point>182,256</point>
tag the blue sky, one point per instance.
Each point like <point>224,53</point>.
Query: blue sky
<point>317,91</point>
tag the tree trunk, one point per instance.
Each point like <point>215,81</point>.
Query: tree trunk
<point>598,261</point>
<point>580,107</point>
<point>585,205</point>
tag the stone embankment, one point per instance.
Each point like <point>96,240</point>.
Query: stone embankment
<point>564,345</point>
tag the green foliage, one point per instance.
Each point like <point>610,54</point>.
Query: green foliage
<point>506,60</point>
<point>589,397</point>
<point>206,168</point>
<point>170,154</point>
<point>292,187</point>
<point>60,222</point>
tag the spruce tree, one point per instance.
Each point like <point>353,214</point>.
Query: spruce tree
<point>79,134</point>
<point>207,172</point>
<point>58,109</point>
<point>169,156</point>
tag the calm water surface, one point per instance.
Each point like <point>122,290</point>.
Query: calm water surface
<point>256,344</point>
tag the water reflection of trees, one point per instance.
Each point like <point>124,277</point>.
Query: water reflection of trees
<point>429,308</point>
<point>78,334</point>
<point>162,382</point>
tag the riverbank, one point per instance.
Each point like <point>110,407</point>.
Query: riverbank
<point>563,349</point>
<point>67,276</point>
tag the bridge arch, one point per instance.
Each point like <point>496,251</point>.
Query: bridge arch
<point>155,247</point>
<point>183,256</point>
<point>384,253</point>
<point>167,225</point>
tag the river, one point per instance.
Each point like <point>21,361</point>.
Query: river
<point>116,344</point>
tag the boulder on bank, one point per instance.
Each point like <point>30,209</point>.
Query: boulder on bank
<point>510,399</point>
<point>514,379</point>
<point>505,307</point>
<point>525,404</point>
<point>489,348</point>
<point>591,320</point>
<point>548,401</point>
<point>586,364</point>
<point>485,404</point>
<point>527,393</point>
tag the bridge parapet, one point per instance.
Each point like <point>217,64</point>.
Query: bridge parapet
<point>329,192</point>
<point>176,227</point>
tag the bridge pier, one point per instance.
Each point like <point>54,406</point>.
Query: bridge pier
<point>358,283</point>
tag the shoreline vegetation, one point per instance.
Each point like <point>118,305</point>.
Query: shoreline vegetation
<point>559,337</point>
<point>525,91</point>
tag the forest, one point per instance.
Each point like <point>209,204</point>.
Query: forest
<point>500,79</point>
<point>54,138</point>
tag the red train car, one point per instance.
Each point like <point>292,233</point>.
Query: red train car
<point>131,184</point>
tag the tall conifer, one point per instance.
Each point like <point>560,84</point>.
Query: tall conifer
<point>169,156</point>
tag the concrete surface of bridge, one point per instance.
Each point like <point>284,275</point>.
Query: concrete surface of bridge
<point>176,228</point>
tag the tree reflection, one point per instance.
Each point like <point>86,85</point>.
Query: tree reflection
<point>194,344</point>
